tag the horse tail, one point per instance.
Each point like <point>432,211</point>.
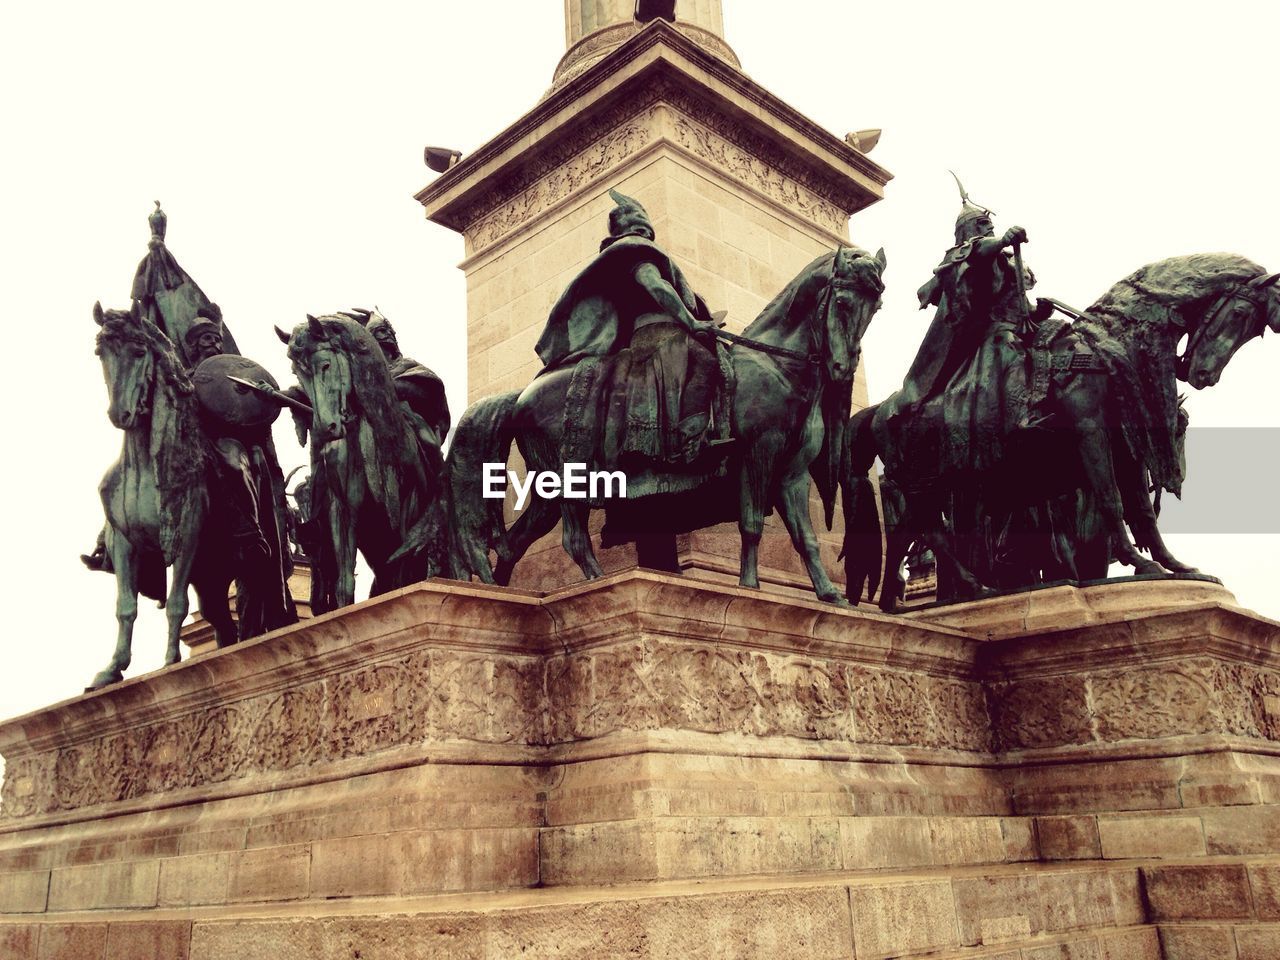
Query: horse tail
<point>477,525</point>
<point>862,551</point>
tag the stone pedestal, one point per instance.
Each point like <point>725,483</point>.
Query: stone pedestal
<point>743,192</point>
<point>653,766</point>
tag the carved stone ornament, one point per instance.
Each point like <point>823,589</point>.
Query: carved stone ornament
<point>597,148</point>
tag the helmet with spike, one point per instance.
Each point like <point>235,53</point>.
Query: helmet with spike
<point>628,217</point>
<point>973,220</point>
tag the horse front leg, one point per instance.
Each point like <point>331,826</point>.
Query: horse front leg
<point>1141,515</point>
<point>754,481</point>
<point>1095,444</point>
<point>794,507</point>
<point>177,603</point>
<point>343,537</point>
<point>893,589</point>
<point>123,560</point>
<point>535,522</point>
<point>346,489</point>
<point>211,600</point>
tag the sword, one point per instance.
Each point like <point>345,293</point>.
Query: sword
<point>265,390</point>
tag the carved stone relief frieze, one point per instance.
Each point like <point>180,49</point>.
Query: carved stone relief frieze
<point>562,181</point>
<point>1156,702</point>
<point>745,163</point>
<point>593,151</point>
<point>435,695</point>
<point>659,685</point>
<point>1186,698</point>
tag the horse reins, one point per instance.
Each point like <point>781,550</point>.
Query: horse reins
<point>810,358</point>
<point>767,347</point>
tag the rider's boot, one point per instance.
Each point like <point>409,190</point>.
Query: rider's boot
<point>99,559</point>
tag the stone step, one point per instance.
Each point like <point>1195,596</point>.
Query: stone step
<point>1219,941</point>
<point>366,852</point>
<point>353,856</point>
<point>670,848</point>
<point>1133,943</point>
<point>424,937</point>
<point>1252,830</point>
<point>878,914</point>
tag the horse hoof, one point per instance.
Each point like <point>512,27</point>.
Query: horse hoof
<point>1146,567</point>
<point>104,679</point>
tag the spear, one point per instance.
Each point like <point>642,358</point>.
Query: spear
<point>262,388</point>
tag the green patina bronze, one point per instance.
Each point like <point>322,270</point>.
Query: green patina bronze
<point>637,378</point>
<point>198,488</point>
<point>1023,448</point>
<point>163,504</point>
<point>376,425</point>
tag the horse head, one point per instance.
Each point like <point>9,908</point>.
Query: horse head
<point>341,368</point>
<point>1238,316</point>
<point>854,297</point>
<point>127,349</point>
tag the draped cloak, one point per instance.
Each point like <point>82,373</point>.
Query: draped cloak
<point>422,392</point>
<point>647,401</point>
<point>966,389</point>
<point>596,314</point>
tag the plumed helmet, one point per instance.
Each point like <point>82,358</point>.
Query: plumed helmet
<point>377,321</point>
<point>626,214</point>
<point>969,215</point>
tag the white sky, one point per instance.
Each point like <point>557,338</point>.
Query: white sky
<point>285,142</point>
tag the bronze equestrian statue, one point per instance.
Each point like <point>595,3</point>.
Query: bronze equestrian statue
<point>637,379</point>
<point>161,497</point>
<point>1024,448</point>
<point>375,436</point>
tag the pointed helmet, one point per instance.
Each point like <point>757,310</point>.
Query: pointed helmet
<point>970,214</point>
<point>627,215</point>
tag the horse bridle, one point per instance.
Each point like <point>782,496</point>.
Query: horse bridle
<point>1247,290</point>
<point>814,357</point>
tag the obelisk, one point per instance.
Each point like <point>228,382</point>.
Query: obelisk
<point>742,189</point>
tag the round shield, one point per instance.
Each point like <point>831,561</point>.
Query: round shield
<point>231,403</point>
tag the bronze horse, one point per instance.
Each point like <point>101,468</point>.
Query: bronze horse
<point>156,496</point>
<point>370,487</point>
<point>793,371</point>
<point>1112,435</point>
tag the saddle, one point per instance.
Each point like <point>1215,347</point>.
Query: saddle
<point>620,414</point>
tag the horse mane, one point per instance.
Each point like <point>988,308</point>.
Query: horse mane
<point>1171,286</point>
<point>799,293</point>
<point>1135,327</point>
<point>121,325</point>
<point>389,459</point>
